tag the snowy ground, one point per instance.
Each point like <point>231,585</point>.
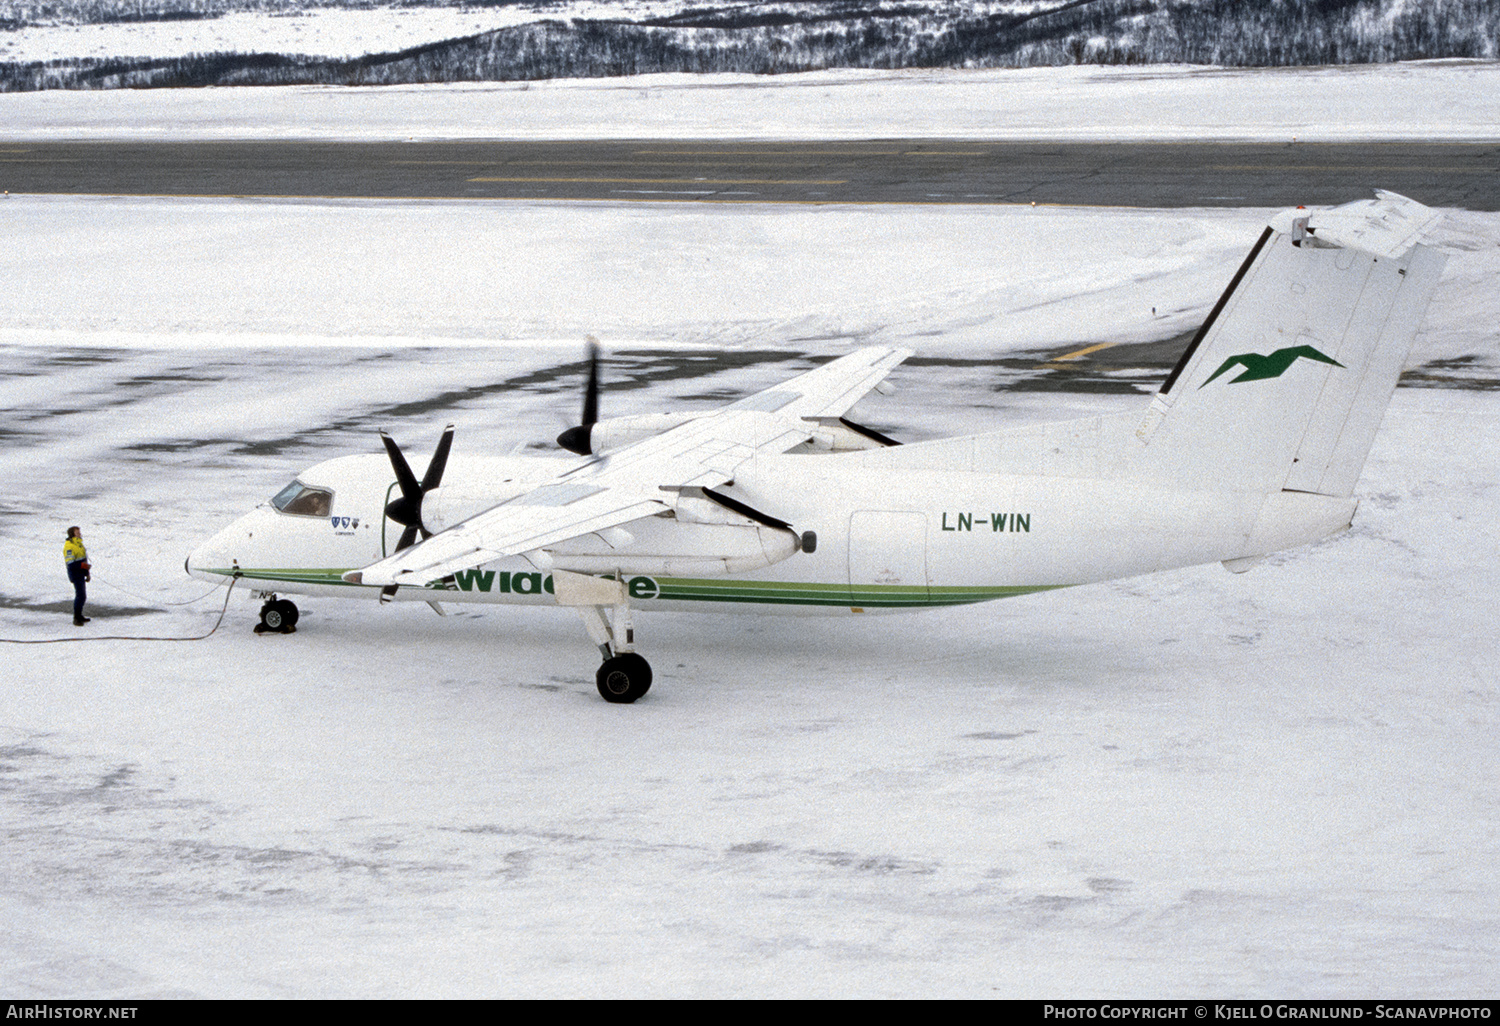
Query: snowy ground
<point>1279,783</point>
<point>1432,100</point>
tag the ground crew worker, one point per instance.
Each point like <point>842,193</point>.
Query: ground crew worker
<point>77,559</point>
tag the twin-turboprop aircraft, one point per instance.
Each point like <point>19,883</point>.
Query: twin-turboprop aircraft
<point>779,503</point>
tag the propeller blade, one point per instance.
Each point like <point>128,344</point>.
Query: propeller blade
<point>434,475</point>
<point>591,393</point>
<point>407,510</point>
<point>404,477</point>
<point>578,439</point>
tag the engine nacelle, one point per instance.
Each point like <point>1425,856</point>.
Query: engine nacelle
<point>670,547</point>
<point>477,483</point>
<point>616,432</point>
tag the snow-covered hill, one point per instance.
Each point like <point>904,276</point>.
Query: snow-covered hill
<point>226,42</point>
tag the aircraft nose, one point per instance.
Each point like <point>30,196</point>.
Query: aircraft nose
<point>242,543</point>
<point>206,561</point>
<point>193,562</point>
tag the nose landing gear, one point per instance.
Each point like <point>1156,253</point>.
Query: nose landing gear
<point>277,616</point>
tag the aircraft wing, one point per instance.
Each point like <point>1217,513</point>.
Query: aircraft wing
<point>829,390</point>
<point>638,480</point>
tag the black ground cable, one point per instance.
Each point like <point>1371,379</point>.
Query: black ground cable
<point>130,637</point>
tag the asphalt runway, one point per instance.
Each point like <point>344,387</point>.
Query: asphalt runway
<point>1465,175</point>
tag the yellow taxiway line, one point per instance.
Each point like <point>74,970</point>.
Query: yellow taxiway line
<point>1079,354</point>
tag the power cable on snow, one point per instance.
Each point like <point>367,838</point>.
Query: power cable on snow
<point>134,637</point>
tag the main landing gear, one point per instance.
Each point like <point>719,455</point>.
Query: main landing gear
<point>277,616</point>
<point>624,675</point>
<point>604,606</point>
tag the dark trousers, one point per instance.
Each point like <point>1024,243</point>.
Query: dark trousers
<point>80,593</point>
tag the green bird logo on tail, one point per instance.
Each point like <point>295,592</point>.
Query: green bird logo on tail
<point>1258,368</point>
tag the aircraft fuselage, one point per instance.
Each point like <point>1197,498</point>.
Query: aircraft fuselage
<point>869,538</point>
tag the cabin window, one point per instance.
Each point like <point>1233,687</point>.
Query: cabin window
<point>301,500</point>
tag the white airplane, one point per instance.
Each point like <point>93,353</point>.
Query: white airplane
<point>777,503</point>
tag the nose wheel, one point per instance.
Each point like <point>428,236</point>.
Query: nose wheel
<point>277,616</point>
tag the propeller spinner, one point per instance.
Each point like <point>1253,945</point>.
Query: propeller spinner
<point>577,439</point>
<point>407,510</point>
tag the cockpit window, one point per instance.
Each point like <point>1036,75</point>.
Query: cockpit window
<point>281,498</point>
<point>301,500</point>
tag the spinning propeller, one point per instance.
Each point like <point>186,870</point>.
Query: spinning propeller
<point>577,439</point>
<point>407,510</point>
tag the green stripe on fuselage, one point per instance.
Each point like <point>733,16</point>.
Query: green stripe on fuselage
<point>798,593</point>
<point>690,589</point>
<point>295,575</point>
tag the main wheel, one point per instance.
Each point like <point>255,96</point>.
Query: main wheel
<point>623,678</point>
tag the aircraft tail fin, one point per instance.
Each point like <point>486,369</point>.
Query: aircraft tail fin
<point>1284,386</point>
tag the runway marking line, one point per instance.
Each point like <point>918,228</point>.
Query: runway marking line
<point>1349,167</point>
<point>646,163</point>
<point>588,163</point>
<point>771,153</point>
<point>674,181</point>
<point>511,162</point>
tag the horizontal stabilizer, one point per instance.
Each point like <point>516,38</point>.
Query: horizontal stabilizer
<point>1386,226</point>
